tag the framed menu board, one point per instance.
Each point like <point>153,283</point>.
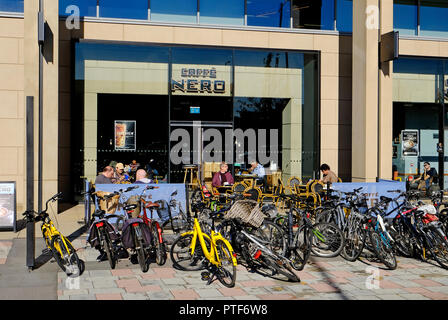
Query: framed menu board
<point>8,206</point>
<point>410,141</point>
<point>125,134</point>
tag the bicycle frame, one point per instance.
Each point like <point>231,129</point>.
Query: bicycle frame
<point>49,231</point>
<point>211,254</point>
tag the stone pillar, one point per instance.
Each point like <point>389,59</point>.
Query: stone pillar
<point>50,89</point>
<point>385,134</point>
<point>365,91</point>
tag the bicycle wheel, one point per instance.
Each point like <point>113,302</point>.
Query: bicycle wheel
<point>300,251</point>
<point>227,270</point>
<point>158,245</point>
<point>383,249</point>
<point>67,260</point>
<point>439,247</point>
<point>327,240</point>
<point>274,234</point>
<point>279,266</point>
<point>354,243</point>
<point>403,240</point>
<point>181,256</point>
<point>141,252</point>
<point>108,247</point>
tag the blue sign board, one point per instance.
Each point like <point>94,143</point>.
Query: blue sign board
<point>374,191</point>
<point>163,192</point>
<point>195,110</point>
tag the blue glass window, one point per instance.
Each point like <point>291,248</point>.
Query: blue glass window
<point>11,5</point>
<point>434,18</point>
<point>135,9</point>
<point>87,8</point>
<point>269,13</point>
<point>183,11</point>
<point>229,12</point>
<point>344,15</point>
<point>405,16</point>
<point>313,14</point>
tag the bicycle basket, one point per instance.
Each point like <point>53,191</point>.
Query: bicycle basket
<point>248,211</point>
<point>109,205</point>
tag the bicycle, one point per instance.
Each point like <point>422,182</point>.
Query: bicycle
<point>323,239</point>
<point>195,250</point>
<point>417,234</point>
<point>61,248</point>
<point>380,239</point>
<point>254,245</point>
<point>157,246</point>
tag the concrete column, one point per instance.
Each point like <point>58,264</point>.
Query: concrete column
<point>386,97</point>
<point>365,91</point>
<point>31,75</point>
<point>51,100</point>
<point>50,89</point>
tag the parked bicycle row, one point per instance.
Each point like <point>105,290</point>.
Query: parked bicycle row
<point>215,238</point>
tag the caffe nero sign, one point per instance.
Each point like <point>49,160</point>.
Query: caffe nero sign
<point>195,80</point>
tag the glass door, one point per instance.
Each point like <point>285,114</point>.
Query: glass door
<point>200,144</point>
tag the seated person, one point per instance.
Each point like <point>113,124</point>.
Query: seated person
<point>223,177</point>
<point>119,175</point>
<point>258,170</point>
<point>141,177</point>
<point>106,176</point>
<point>428,177</point>
<point>328,176</point>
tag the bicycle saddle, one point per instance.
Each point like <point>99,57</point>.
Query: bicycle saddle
<point>150,205</point>
<point>99,213</point>
<point>385,199</point>
<point>130,207</point>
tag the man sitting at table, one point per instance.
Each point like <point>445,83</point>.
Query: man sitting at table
<point>223,177</point>
<point>257,169</point>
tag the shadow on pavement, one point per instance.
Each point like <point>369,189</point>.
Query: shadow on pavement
<point>327,278</point>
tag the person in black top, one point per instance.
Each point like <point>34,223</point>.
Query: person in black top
<point>428,176</point>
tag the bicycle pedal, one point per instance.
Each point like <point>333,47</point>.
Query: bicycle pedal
<point>46,251</point>
<point>205,276</point>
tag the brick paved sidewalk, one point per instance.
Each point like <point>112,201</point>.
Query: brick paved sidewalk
<point>322,279</point>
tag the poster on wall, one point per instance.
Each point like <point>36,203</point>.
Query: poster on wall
<point>7,206</point>
<point>409,143</point>
<point>125,135</point>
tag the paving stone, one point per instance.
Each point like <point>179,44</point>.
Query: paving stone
<point>106,290</point>
<point>100,273</point>
<point>283,296</point>
<point>366,297</point>
<point>187,294</point>
<point>109,296</point>
<point>159,295</point>
<point>175,281</point>
<point>134,296</point>
<point>413,296</point>
<point>100,284</point>
<point>390,297</point>
<point>208,293</point>
<point>255,290</point>
<point>83,297</point>
<point>246,298</point>
<point>150,288</point>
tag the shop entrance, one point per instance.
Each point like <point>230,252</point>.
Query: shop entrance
<point>133,127</point>
<point>198,143</point>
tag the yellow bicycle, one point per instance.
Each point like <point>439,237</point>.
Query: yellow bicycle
<point>61,248</point>
<point>212,252</point>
